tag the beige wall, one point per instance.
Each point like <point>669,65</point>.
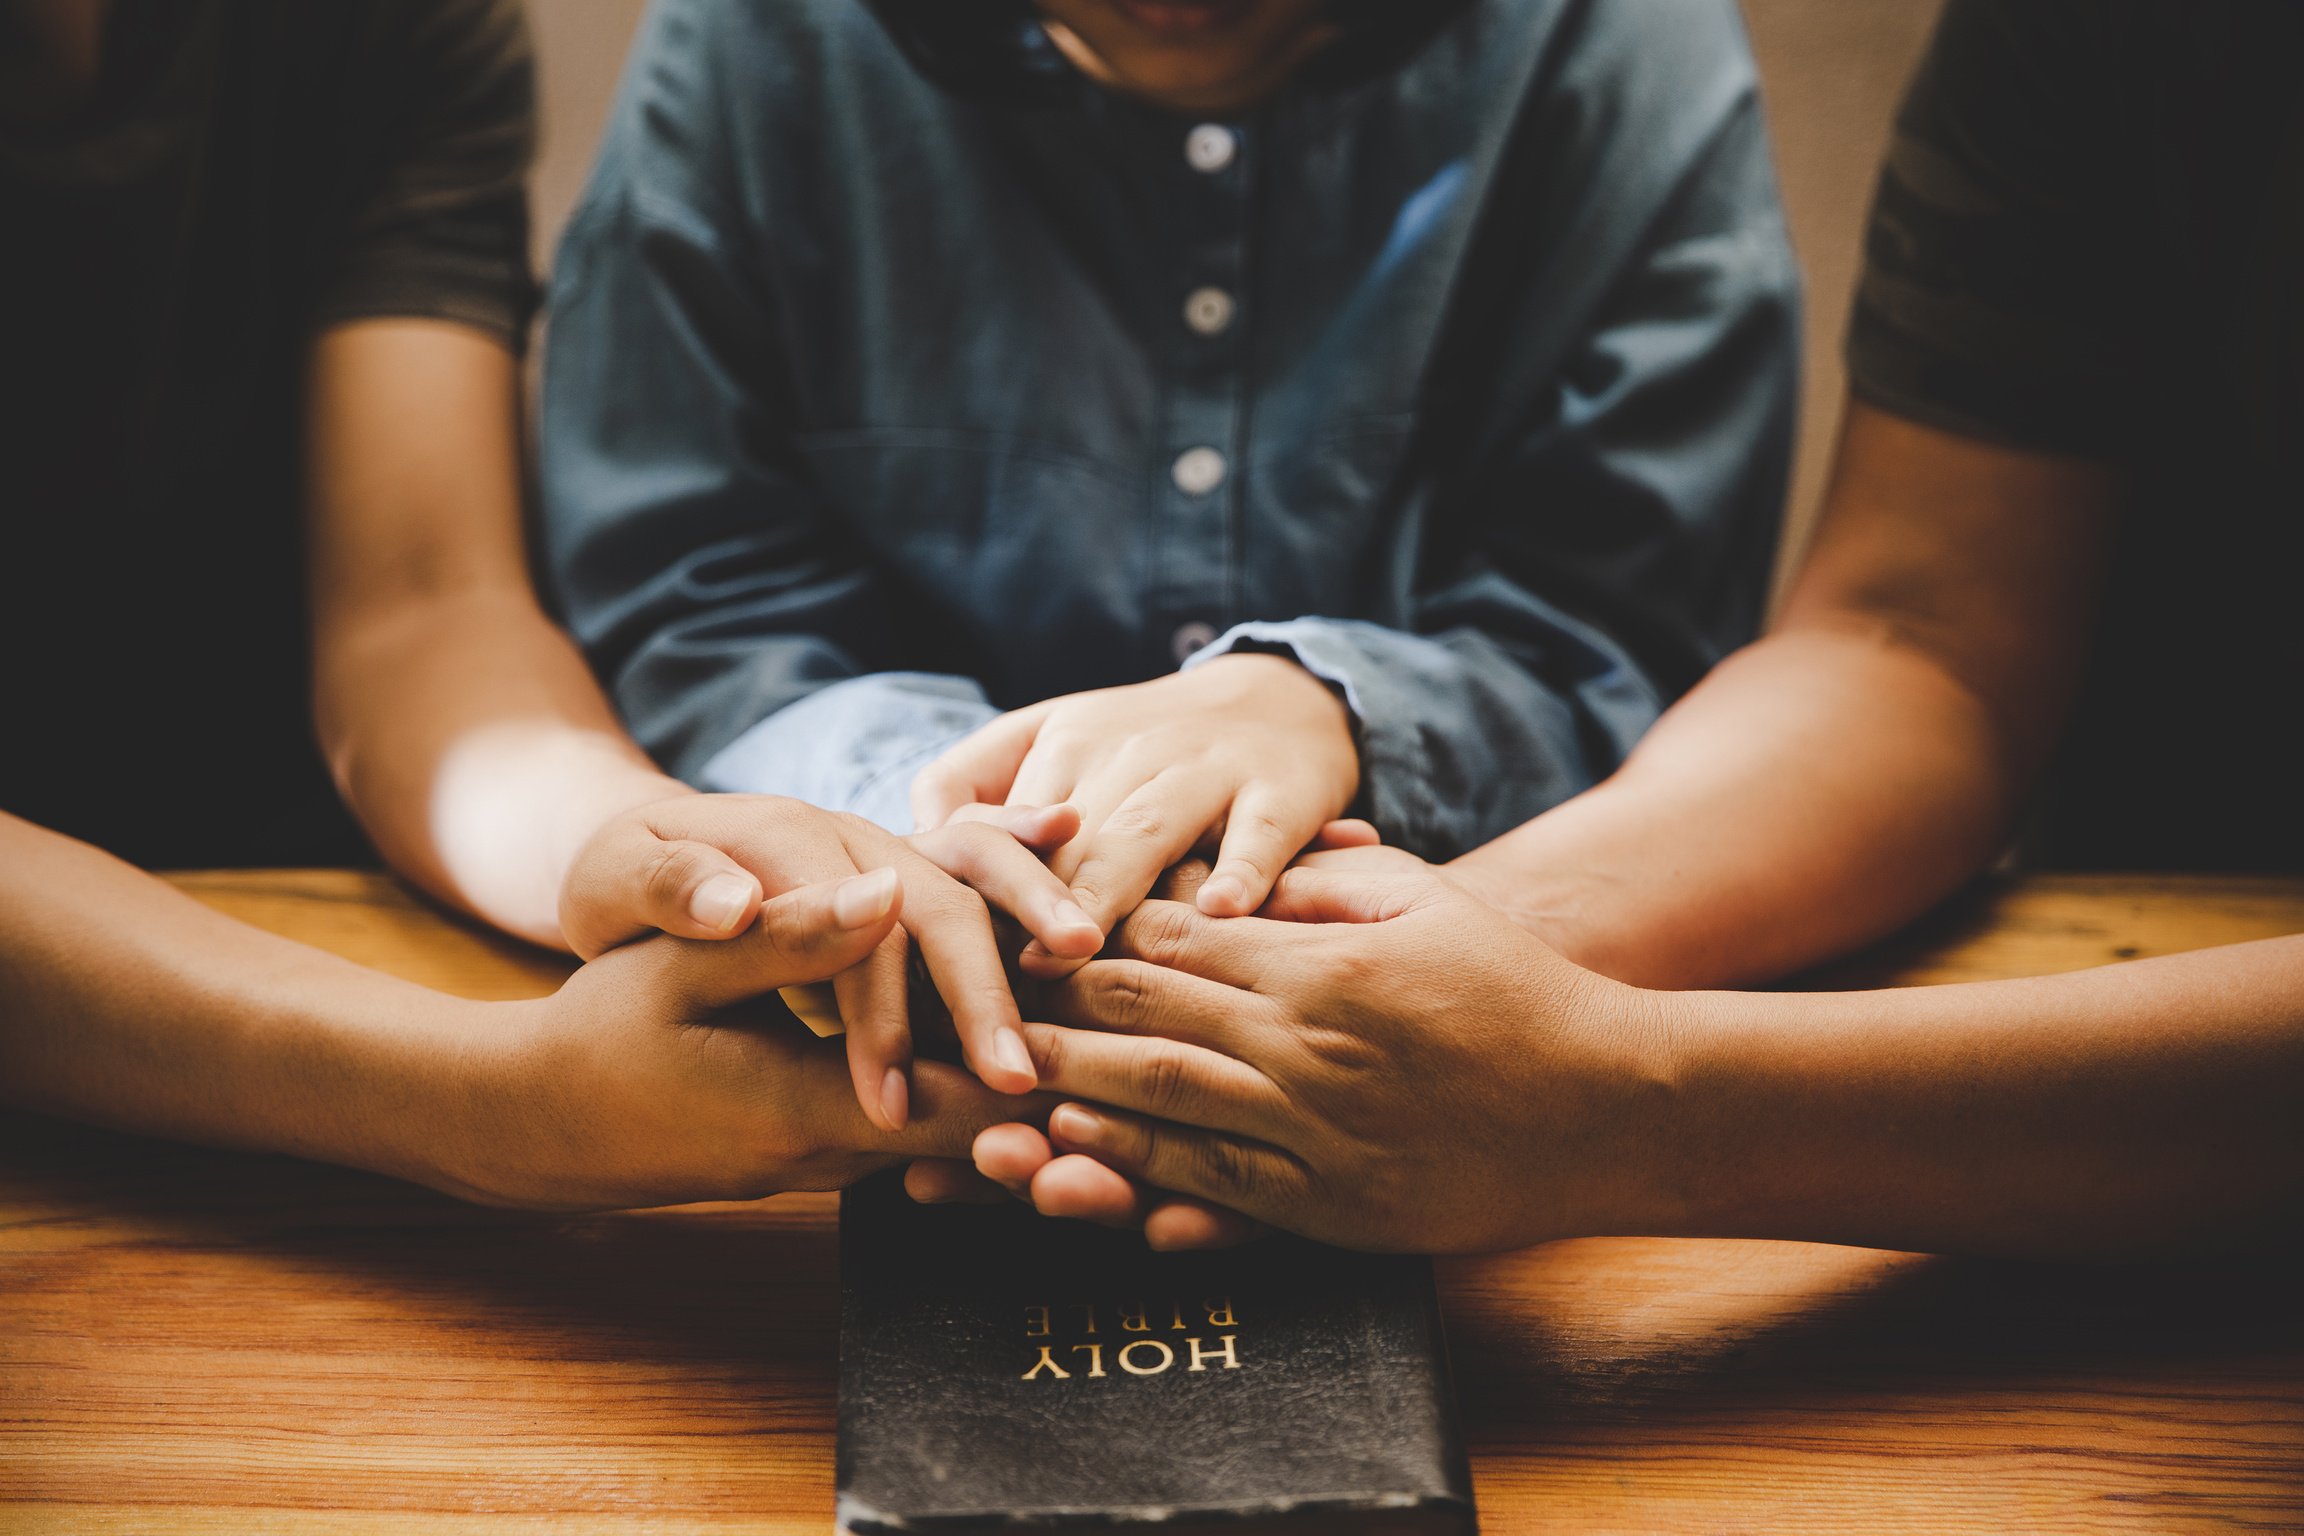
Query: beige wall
<point>1833,70</point>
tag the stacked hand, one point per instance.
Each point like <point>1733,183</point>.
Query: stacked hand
<point>653,1076</point>
<point>1379,1060</point>
<point>1249,755</point>
<point>698,866</point>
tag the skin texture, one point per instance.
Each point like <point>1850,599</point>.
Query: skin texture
<point>646,1079</point>
<point>1215,57</point>
<point>1391,1064</point>
<point>1823,787</point>
<point>1249,754</point>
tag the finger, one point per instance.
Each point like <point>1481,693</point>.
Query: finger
<point>980,766</point>
<point>1167,1078</point>
<point>1346,896</point>
<point>1051,774</point>
<point>1179,1223</point>
<point>1080,1188</point>
<point>1130,997</point>
<point>1008,875</point>
<point>952,927</point>
<point>1349,832</point>
<point>1238,952</point>
<point>1010,1155</point>
<point>1262,832</point>
<point>805,935</point>
<point>876,1014</point>
<point>1154,827</point>
<point>950,1109</point>
<point>943,1181</point>
<point>1250,1177</point>
<point>652,884</point>
<point>1041,828</point>
<point>1182,882</point>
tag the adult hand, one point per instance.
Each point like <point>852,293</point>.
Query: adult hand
<point>1391,1064</point>
<point>1007,1158</point>
<point>1250,752</point>
<point>657,866</point>
<point>654,1075</point>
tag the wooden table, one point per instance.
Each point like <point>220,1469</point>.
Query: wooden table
<point>200,1341</point>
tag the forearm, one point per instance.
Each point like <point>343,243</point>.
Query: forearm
<point>461,724</point>
<point>1819,789</point>
<point>2135,1109</point>
<point>127,1003</point>
<point>469,736</point>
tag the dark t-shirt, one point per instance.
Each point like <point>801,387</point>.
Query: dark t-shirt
<point>2089,240</point>
<point>246,173</point>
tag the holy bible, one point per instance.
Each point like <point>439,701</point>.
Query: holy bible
<point>999,1371</point>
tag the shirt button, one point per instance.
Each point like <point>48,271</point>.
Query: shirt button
<point>1197,471</point>
<point>1210,147</point>
<point>1190,638</point>
<point>1208,310</point>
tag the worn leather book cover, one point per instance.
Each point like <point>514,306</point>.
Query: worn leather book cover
<point>1003,1372</point>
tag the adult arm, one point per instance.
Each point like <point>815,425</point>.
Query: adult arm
<point>125,1002</point>
<point>462,726</point>
<point>1836,778</point>
<point>1491,1095</point>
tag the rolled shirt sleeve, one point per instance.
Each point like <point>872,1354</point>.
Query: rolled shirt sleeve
<point>1455,736</point>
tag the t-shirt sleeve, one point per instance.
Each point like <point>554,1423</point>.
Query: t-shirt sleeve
<point>2004,296</point>
<point>441,105</point>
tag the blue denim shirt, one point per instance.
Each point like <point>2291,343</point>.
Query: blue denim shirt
<point>874,406</point>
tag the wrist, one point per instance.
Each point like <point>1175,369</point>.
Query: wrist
<point>444,1091</point>
<point>1268,674</point>
<point>1625,1174</point>
<point>1692,1151</point>
<point>1549,909</point>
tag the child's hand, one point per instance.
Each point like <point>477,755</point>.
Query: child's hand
<point>1249,749</point>
<point>646,1081</point>
<point>648,867</point>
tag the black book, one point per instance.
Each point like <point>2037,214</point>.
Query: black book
<point>1002,1372</point>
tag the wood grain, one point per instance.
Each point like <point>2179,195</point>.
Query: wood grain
<point>194,1341</point>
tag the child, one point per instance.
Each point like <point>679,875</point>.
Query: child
<point>1285,408</point>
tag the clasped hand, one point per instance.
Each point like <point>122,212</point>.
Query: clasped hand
<point>698,866</point>
<point>1380,1060</point>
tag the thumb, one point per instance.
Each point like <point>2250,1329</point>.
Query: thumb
<point>804,935</point>
<point>1341,896</point>
<point>642,883</point>
<point>980,767</point>
<point>1349,832</point>
<point>1041,828</point>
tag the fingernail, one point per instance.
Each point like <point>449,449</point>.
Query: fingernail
<point>1036,951</point>
<point>863,900</point>
<point>1070,914</point>
<point>721,902</point>
<point>1075,1122</point>
<point>1224,890</point>
<point>895,1099</point>
<point>1008,1052</point>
